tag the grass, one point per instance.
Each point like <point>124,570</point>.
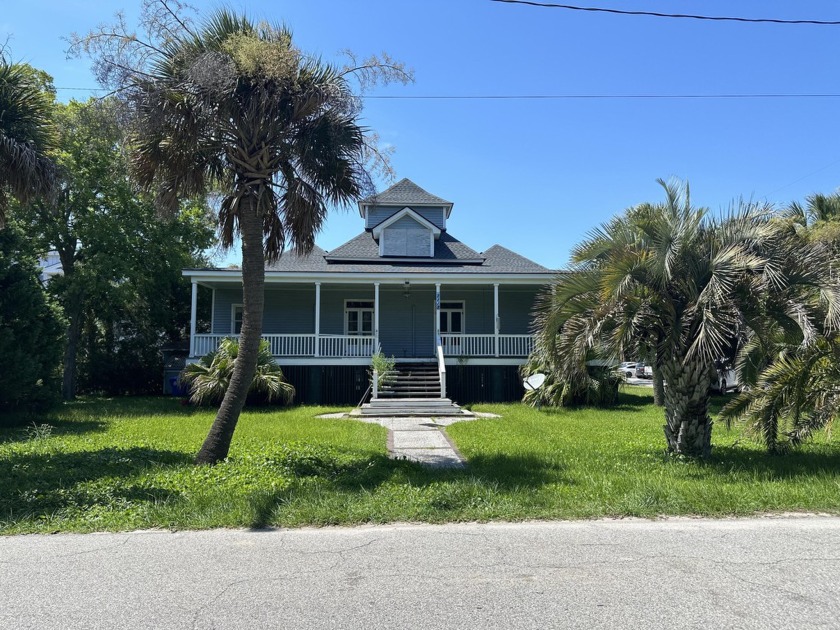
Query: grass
<point>121,464</point>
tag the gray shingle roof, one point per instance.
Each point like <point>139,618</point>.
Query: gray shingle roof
<point>290,261</point>
<point>405,192</point>
<point>503,258</point>
<point>449,254</point>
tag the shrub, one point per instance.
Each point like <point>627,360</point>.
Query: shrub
<point>30,331</point>
<point>208,379</point>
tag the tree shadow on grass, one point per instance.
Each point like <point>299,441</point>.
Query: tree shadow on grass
<point>38,484</point>
<point>796,464</point>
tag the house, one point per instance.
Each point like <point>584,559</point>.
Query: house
<point>406,286</point>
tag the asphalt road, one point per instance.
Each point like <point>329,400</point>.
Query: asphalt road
<point>762,573</point>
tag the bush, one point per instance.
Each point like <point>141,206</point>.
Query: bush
<point>208,379</point>
<point>30,331</point>
<point>597,387</point>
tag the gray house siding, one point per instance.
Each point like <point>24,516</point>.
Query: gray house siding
<point>221,309</point>
<point>516,306</point>
<point>289,310</point>
<point>377,214</point>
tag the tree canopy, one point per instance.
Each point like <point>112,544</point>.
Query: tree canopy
<point>26,133</point>
<point>233,105</point>
<point>669,277</point>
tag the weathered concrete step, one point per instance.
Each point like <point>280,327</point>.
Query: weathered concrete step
<point>414,413</point>
<point>406,393</point>
<point>408,401</point>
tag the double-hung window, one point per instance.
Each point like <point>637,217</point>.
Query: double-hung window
<point>236,319</point>
<point>358,318</point>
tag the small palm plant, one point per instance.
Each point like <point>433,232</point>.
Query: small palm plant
<point>796,395</point>
<point>210,377</point>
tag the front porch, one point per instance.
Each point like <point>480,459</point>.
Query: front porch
<point>346,323</point>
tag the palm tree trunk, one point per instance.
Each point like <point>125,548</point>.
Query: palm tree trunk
<point>688,427</point>
<point>658,386</point>
<point>217,443</point>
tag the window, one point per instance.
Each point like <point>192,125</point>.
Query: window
<point>451,318</point>
<point>236,311</point>
<point>358,318</point>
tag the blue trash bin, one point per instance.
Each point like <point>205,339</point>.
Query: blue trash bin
<point>175,386</point>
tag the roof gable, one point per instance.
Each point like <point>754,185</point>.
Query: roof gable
<point>406,212</point>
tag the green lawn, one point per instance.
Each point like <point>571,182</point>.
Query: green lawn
<point>126,464</point>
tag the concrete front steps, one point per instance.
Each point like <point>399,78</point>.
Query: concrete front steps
<point>412,391</point>
<point>411,408</point>
<point>412,380</point>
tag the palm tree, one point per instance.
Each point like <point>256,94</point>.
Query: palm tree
<point>794,396</point>
<point>234,106</point>
<point>209,379</point>
<point>817,208</point>
<point>26,134</point>
<point>668,277</point>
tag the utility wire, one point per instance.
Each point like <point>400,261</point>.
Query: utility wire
<point>558,97</point>
<point>712,18</point>
<point>596,96</point>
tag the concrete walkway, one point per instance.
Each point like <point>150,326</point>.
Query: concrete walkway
<point>422,439</point>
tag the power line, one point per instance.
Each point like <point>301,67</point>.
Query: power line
<point>559,97</point>
<point>596,96</point>
<point>688,16</point>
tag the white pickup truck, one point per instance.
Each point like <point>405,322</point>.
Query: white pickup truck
<point>644,371</point>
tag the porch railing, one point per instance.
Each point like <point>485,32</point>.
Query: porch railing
<point>515,345</point>
<point>339,346</point>
<point>485,345</point>
<point>345,346</point>
<point>298,345</point>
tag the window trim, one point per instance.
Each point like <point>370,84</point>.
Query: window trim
<point>359,309</point>
<point>233,308</point>
<point>462,310</point>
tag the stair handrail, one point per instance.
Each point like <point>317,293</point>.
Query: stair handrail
<point>441,366</point>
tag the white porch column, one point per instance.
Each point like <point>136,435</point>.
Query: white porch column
<point>375,316</point>
<point>496,318</point>
<point>437,311</point>
<point>317,319</point>
<point>193,316</point>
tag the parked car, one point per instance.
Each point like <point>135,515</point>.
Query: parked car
<point>726,380</point>
<point>643,370</point>
<point>626,369</point>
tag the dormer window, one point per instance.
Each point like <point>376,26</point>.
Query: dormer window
<point>406,234</point>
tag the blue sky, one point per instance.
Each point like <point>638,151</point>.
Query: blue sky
<point>536,175</point>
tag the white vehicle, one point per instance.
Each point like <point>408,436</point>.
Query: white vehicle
<point>644,371</point>
<point>627,369</point>
<point>727,380</point>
